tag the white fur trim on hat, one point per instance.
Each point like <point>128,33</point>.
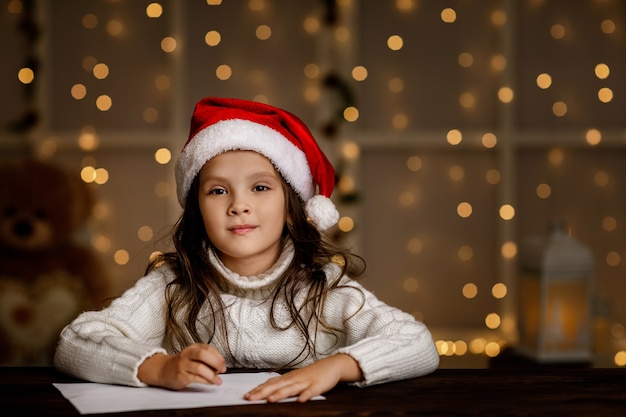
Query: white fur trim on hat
<point>322,212</point>
<point>239,134</point>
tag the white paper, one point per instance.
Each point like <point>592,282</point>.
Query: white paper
<point>91,398</point>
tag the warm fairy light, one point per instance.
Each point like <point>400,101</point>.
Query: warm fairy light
<point>470,290</point>
<point>557,31</point>
<point>359,73</point>
<point>399,121</point>
<point>100,71</point>
<point>407,199</point>
<point>464,209</point>
<point>620,358</point>
<point>115,27</point>
<point>26,75</point>
<point>410,285</point>
<point>351,114</point>
<point>465,59</point>
<point>256,5</point>
<point>467,100</point>
<point>351,151</point>
<point>88,174</point>
<point>168,44</point>
<point>154,10</point>
<point>492,349</point>
<point>543,191</point>
<point>90,21</point>
<point>212,38</point>
<point>492,321</point>
<point>465,253</point>
<point>593,136</point>
<point>342,34</point>
<point>505,94</point>
<point>602,71</point>
<point>456,172</point>
<point>78,91</point>
<point>145,233</point>
<point>88,141</point>
<point>489,140</point>
<point>559,109</point>
<point>163,156</point>
<point>223,72</point>
<point>613,259</point>
<point>163,189</point>
<point>101,211</point>
<point>396,85</point>
<point>492,176</point>
<point>101,243</point>
<point>414,163</point>
<point>263,32</point>
<point>312,94</point>
<point>607,26</point>
<point>102,176</point>
<point>395,42</point>
<point>104,102</point>
<point>150,115</point>
<point>213,2</point>
<point>509,250</point>
<point>609,224</point>
<point>544,81</point>
<point>311,24</point>
<point>312,71</point>
<point>499,290</point>
<point>605,95</point>
<point>601,178</point>
<point>556,156</point>
<point>448,15</point>
<point>121,257</point>
<point>618,331</point>
<point>507,212</point>
<point>477,345</point>
<point>88,63</point>
<point>498,62</point>
<point>346,184</point>
<point>414,245</point>
<point>498,18</point>
<point>454,137</point>
<point>405,5</point>
<point>345,224</point>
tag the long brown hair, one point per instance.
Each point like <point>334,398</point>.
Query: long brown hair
<point>198,283</point>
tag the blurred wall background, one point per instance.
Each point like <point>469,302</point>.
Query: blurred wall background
<point>457,129</point>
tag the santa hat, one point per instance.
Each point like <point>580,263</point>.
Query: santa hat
<point>225,124</point>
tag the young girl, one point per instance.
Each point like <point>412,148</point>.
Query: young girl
<point>253,282</point>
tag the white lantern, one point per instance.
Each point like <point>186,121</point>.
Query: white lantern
<point>555,290</point>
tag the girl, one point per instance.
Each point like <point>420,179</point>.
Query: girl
<point>253,282</point>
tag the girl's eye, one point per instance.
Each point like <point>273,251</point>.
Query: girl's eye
<point>217,191</point>
<point>261,188</point>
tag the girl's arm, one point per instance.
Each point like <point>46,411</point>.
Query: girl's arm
<point>109,345</point>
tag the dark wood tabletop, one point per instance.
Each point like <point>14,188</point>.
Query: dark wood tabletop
<point>447,392</point>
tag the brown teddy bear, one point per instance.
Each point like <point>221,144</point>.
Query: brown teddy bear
<point>46,278</point>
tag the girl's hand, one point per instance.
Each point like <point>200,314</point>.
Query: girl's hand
<point>196,363</point>
<point>309,381</point>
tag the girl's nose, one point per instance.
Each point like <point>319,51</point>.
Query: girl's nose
<point>238,206</point>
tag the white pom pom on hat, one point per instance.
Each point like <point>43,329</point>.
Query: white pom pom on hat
<point>225,124</point>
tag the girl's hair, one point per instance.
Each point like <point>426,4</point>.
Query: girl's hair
<point>198,283</point>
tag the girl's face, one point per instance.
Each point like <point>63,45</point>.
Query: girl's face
<point>242,203</point>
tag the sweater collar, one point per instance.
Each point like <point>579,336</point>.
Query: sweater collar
<point>262,283</point>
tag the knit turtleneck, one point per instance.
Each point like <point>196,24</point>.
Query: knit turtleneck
<point>257,286</point>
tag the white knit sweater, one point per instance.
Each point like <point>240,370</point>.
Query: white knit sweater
<point>109,345</point>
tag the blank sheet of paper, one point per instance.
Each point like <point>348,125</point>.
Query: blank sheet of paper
<point>91,398</point>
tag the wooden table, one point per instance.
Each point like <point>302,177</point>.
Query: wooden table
<point>447,392</point>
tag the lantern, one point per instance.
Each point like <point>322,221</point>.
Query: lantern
<point>555,289</point>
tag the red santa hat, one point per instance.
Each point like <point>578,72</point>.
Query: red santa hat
<point>225,124</point>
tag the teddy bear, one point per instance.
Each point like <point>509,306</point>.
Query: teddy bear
<point>46,276</point>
